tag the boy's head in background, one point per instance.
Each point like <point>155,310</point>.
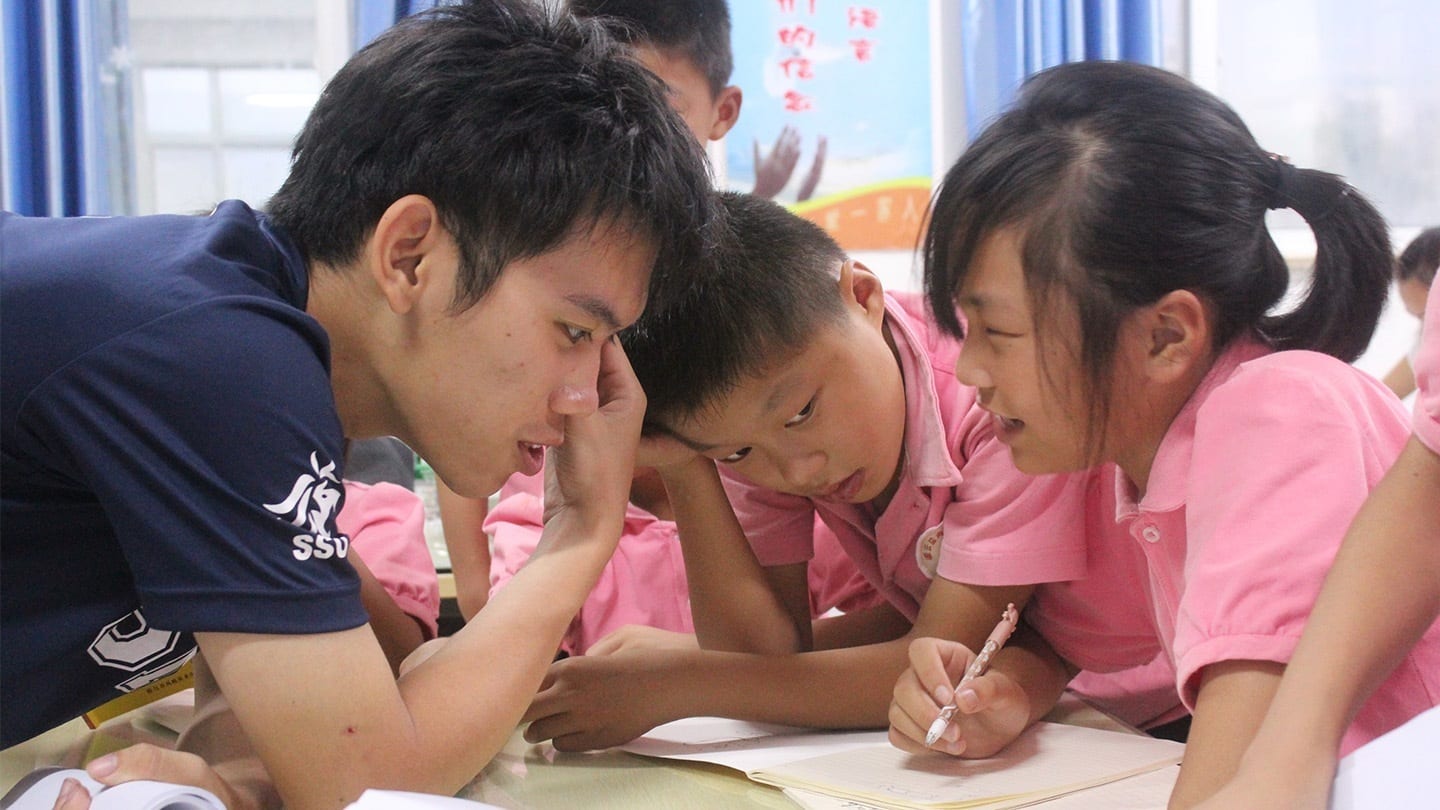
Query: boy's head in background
<point>1415,270</point>
<point>687,44</point>
<point>778,362</point>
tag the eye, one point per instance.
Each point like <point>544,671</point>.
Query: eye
<point>736,456</point>
<point>998,333</point>
<point>803,416</point>
<point>576,334</point>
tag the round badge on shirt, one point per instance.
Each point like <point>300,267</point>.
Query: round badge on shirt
<point>927,550</point>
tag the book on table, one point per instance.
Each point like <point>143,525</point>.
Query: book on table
<point>1048,760</point>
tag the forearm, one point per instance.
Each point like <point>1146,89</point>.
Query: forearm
<point>463,520</point>
<point>872,625</point>
<point>732,602</point>
<point>397,631</point>
<point>328,720</point>
<point>845,688</point>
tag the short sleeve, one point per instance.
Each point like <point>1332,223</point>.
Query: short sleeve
<point>1008,528</point>
<point>210,439</point>
<point>780,527</point>
<point>1283,458</point>
<point>386,526</point>
<point>1427,375</point>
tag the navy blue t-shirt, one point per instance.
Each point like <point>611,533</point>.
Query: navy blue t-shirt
<point>170,449</point>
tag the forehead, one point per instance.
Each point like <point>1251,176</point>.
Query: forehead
<point>603,270</point>
<point>995,281</point>
<point>777,390</point>
<point>678,71</point>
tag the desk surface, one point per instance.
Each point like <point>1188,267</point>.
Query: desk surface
<point>522,776</point>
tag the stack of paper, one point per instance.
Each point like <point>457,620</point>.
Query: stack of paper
<point>1048,760</point>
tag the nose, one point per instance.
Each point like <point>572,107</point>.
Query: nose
<point>801,469</point>
<point>970,368</point>
<point>578,394</point>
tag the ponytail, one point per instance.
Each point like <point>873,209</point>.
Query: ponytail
<point>1351,278</point>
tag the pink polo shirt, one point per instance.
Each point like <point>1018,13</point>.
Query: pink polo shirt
<point>1427,375</point>
<point>1251,491</point>
<point>961,508</point>
<point>644,582</point>
<point>386,526</point>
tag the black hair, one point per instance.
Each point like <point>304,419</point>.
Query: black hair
<point>1125,183</point>
<point>1420,258</point>
<point>698,30</point>
<point>769,282</point>
<point>522,125</point>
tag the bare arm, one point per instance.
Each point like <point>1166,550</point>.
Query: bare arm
<point>737,604</point>
<point>463,520</point>
<point>1401,378</point>
<point>324,712</point>
<point>1365,604</point>
<point>1232,699</point>
<point>596,702</point>
<point>398,632</point>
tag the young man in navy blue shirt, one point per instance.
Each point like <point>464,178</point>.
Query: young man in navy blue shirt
<point>479,201</point>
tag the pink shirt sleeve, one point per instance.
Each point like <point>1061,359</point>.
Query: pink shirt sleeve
<point>1006,527</point>
<point>386,526</point>
<point>780,527</point>
<point>514,526</point>
<point>1284,454</point>
<point>1427,375</point>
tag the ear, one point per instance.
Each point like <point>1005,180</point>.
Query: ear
<point>861,288</point>
<point>1175,335</point>
<point>727,111</point>
<point>406,234</point>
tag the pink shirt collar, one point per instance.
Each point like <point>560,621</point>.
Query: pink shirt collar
<point>927,461</point>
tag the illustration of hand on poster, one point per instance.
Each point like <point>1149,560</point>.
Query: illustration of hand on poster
<point>836,123</point>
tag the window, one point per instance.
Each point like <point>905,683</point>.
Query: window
<point>222,88</point>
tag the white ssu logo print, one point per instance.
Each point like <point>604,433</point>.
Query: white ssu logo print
<point>311,505</point>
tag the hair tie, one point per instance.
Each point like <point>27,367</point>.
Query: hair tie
<point>1282,186</point>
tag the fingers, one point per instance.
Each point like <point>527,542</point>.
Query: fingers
<point>73,796</point>
<point>146,761</point>
<point>617,382</point>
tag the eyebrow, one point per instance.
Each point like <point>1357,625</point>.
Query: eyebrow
<point>597,309</point>
<point>688,442</point>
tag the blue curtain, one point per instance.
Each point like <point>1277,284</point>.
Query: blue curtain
<point>374,16</point>
<point>1008,40</point>
<point>65,108</point>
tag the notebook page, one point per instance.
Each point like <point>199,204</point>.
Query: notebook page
<point>1146,791</point>
<point>1047,760</point>
<point>745,746</point>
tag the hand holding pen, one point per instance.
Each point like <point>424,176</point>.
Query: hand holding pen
<point>997,639</point>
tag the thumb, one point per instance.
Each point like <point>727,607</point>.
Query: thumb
<point>146,761</point>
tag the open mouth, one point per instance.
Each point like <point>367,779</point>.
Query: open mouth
<point>532,457</point>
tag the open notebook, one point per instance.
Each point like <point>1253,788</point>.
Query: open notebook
<point>1048,760</point>
<point>40,789</point>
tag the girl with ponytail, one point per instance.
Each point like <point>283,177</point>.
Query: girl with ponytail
<point>1102,248</point>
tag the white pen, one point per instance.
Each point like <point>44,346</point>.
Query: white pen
<point>997,639</point>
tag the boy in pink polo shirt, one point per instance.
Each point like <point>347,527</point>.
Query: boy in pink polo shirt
<point>1105,239</point>
<point>793,381</point>
<point>642,589</point>
<point>1378,599</point>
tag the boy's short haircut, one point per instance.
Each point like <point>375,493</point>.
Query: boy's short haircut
<point>1420,258</point>
<point>769,284</point>
<point>525,127</point>
<point>698,30</point>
